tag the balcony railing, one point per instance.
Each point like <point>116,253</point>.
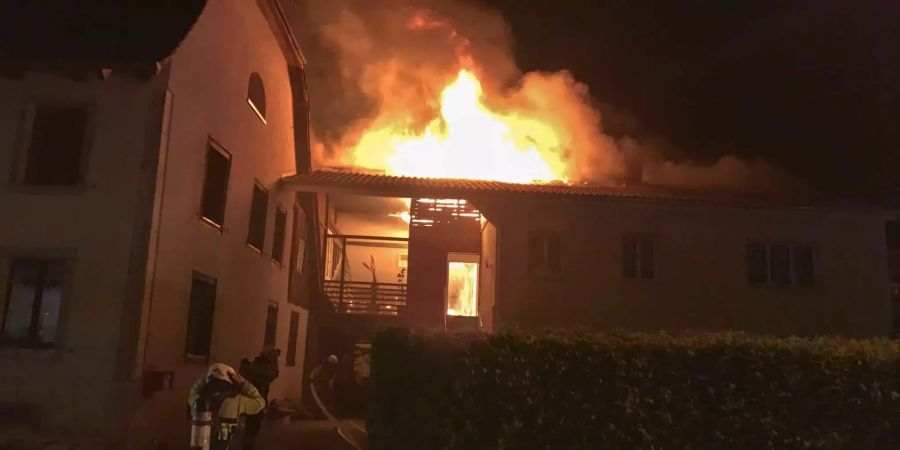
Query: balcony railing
<point>360,297</point>
<point>348,258</point>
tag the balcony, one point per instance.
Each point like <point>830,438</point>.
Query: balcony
<point>366,274</point>
<point>359,297</point>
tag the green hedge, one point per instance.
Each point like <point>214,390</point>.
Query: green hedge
<point>632,391</point>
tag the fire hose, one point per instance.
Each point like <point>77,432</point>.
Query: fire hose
<point>334,420</point>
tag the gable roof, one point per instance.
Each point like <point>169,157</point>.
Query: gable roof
<point>346,182</point>
<point>93,33</point>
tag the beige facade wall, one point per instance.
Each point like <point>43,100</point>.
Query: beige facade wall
<point>701,268</point>
<point>208,83</point>
<point>97,227</point>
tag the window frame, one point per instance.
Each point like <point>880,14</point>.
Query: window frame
<point>792,263</point>
<point>544,270</point>
<point>25,138</point>
<point>188,356</point>
<point>67,258</point>
<point>640,245</point>
<point>290,358</point>
<point>278,250</point>
<point>264,217</point>
<point>212,145</point>
<point>298,238</point>
<point>259,110</point>
<point>273,333</point>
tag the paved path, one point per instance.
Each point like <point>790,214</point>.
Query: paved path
<point>301,435</point>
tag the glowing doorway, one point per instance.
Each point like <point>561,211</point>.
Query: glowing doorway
<point>462,284</point>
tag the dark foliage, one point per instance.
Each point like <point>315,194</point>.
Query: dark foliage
<point>633,391</point>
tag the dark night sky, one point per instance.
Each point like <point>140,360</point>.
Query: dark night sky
<point>811,85</point>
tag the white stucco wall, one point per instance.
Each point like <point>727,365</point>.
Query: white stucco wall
<point>208,82</point>
<point>93,226</point>
<point>701,272</point>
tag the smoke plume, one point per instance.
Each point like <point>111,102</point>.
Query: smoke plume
<point>382,62</point>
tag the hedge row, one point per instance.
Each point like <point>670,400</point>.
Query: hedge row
<point>632,391</point>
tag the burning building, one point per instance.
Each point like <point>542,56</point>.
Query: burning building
<point>163,212</point>
<point>480,255</point>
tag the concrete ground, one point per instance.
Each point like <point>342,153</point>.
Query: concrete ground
<point>305,435</point>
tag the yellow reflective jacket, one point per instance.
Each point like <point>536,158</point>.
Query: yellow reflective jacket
<point>248,401</point>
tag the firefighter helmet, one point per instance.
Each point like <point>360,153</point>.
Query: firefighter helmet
<point>220,371</point>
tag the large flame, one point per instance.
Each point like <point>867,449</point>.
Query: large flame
<point>467,140</point>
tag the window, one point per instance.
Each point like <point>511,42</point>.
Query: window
<point>271,325</point>
<point>215,185</point>
<point>637,258</point>
<point>256,96</point>
<point>544,254</point>
<point>779,264</point>
<point>31,314</point>
<point>291,358</point>
<point>256,233</point>
<point>56,148</point>
<point>757,263</point>
<point>200,316</point>
<point>278,239</point>
<point>298,237</point>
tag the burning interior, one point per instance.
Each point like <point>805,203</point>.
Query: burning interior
<point>414,258</point>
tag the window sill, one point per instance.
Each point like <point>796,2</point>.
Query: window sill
<point>639,279</point>
<point>785,288</point>
<point>212,224</point>
<point>27,189</point>
<point>196,359</point>
<point>30,352</point>
<point>545,276</point>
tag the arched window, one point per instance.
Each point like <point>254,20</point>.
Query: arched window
<point>256,96</point>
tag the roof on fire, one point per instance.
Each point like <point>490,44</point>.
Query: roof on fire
<point>375,184</point>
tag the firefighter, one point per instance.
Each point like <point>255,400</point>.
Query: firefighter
<point>322,382</point>
<point>229,396</point>
<point>262,371</point>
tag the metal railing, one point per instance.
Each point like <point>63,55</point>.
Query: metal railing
<point>360,297</point>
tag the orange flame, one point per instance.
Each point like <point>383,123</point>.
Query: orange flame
<point>467,140</point>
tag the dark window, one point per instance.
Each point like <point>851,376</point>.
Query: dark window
<point>629,257</point>
<point>215,185</point>
<point>57,145</point>
<point>535,251</point>
<point>271,325</point>
<point>648,268</point>
<point>757,263</point>
<point>200,316</point>
<point>803,264</point>
<point>780,264</point>
<point>544,254</point>
<point>637,258</point>
<point>256,95</point>
<point>553,250</point>
<point>278,239</point>
<point>31,315</point>
<point>291,358</point>
<point>256,233</point>
<point>298,238</point>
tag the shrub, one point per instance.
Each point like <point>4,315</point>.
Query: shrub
<point>632,391</point>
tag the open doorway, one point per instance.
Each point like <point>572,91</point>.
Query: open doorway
<point>462,291</point>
